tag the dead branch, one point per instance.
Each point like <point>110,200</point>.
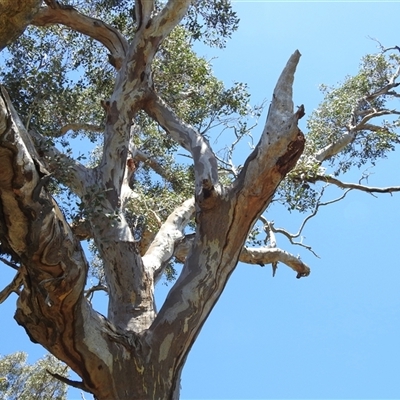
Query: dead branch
<point>261,256</point>
<point>292,236</point>
<point>363,188</point>
<point>97,288</point>
<point>14,286</point>
<point>267,255</point>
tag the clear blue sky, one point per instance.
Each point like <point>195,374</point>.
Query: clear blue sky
<point>336,333</point>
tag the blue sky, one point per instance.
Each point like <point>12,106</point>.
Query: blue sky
<point>332,335</point>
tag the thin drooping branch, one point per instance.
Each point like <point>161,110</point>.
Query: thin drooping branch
<point>292,236</point>
<point>206,167</point>
<point>357,186</point>
<point>92,27</point>
<point>171,232</point>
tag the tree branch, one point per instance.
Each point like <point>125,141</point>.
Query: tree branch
<point>267,255</point>
<point>206,167</point>
<point>248,255</point>
<point>355,127</point>
<point>363,188</point>
<point>171,14</point>
<point>92,27</point>
<point>171,232</point>
<point>291,236</point>
<point>143,10</point>
<point>281,142</point>
<point>334,148</point>
<point>69,171</point>
<point>152,163</point>
<point>77,127</point>
<point>14,286</point>
<point>9,263</point>
<point>75,384</point>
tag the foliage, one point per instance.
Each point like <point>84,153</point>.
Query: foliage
<point>48,68</point>
<point>21,381</point>
<point>361,105</point>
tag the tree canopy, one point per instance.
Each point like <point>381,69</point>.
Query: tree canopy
<point>21,381</point>
<point>140,94</point>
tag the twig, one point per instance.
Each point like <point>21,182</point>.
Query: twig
<point>291,236</point>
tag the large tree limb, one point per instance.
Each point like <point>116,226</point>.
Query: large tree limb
<point>206,167</point>
<point>169,17</point>
<point>221,231</point>
<point>143,10</point>
<point>281,142</point>
<point>162,248</point>
<point>92,27</point>
<point>334,148</point>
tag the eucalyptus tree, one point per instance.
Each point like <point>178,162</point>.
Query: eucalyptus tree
<point>22,381</point>
<point>124,76</point>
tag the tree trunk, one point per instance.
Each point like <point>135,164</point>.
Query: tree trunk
<point>14,18</point>
<point>134,353</point>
